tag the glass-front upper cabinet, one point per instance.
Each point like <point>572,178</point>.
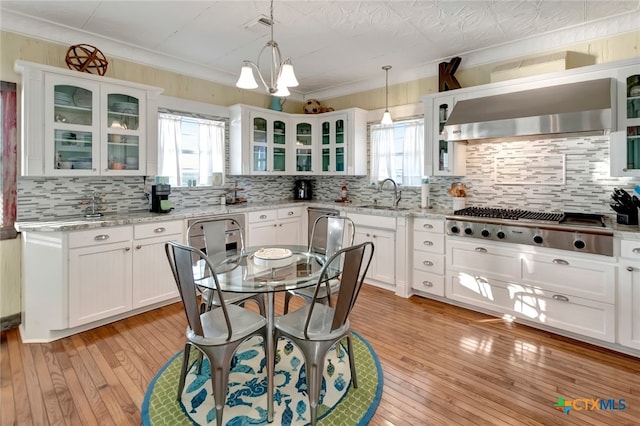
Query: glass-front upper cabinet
<point>333,144</point>
<point>304,155</point>
<point>268,143</point>
<point>123,151</point>
<point>72,126</point>
<point>625,142</point>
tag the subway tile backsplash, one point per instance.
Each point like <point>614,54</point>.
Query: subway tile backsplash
<point>587,188</point>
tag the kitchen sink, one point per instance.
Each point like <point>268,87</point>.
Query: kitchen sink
<point>382,207</point>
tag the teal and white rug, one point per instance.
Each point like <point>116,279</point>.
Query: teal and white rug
<point>340,403</point>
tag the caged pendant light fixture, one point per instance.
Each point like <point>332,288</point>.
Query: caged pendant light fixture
<point>386,117</point>
<point>282,76</point>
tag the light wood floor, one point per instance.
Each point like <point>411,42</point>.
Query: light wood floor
<point>442,365</point>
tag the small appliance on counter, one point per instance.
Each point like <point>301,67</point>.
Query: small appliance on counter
<point>302,190</point>
<point>626,207</point>
<point>160,198</point>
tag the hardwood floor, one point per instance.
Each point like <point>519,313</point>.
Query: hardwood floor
<point>442,365</point>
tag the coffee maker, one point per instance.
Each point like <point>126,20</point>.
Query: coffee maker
<point>160,198</point>
<point>302,190</point>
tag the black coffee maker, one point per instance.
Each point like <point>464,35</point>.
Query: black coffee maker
<point>302,190</point>
<point>160,198</point>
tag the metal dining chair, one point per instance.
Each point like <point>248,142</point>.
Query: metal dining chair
<point>329,234</point>
<point>214,242</point>
<point>318,326</point>
<point>216,333</point>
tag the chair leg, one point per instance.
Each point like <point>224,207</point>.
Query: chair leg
<point>287,298</point>
<point>352,362</point>
<point>183,369</point>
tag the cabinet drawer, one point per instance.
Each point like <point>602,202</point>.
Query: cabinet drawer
<point>572,276</point>
<point>428,262</point>
<point>98,236</point>
<point>630,249</point>
<point>373,221</point>
<point>483,258</point>
<point>157,229</point>
<point>428,224</point>
<point>263,216</point>
<point>428,283</point>
<point>428,241</point>
<point>289,212</point>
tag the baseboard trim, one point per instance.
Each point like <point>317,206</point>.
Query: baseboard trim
<point>9,322</point>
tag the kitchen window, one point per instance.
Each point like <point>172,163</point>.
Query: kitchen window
<point>8,158</point>
<point>397,152</point>
<point>190,148</point>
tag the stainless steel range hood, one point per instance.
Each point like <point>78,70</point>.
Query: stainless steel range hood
<point>575,108</point>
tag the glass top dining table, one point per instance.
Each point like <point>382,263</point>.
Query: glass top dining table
<point>249,272</point>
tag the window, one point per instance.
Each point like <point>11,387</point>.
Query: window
<point>397,152</point>
<point>190,149</point>
<point>8,158</point>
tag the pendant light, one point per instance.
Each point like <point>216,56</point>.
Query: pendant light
<point>282,76</point>
<point>386,117</point>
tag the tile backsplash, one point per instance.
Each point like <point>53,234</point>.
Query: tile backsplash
<point>587,186</point>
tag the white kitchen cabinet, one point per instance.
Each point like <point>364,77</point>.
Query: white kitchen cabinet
<point>277,143</point>
<point>152,276</point>
<point>100,279</point>
<point>629,294</point>
<point>443,158</point>
<point>625,142</point>
<point>79,124</point>
<point>428,256</point>
<point>381,231</point>
<point>277,226</point>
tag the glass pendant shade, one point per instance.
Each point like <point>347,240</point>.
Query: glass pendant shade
<point>282,91</point>
<point>247,80</point>
<point>386,118</point>
<point>287,76</point>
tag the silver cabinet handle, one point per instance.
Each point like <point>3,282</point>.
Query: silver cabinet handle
<point>290,213</point>
<point>127,249</point>
<point>138,247</point>
<point>630,268</point>
<point>427,243</point>
<point>428,226</point>
<point>560,297</point>
<point>101,237</point>
<point>427,263</point>
<point>159,230</point>
<point>427,283</point>
<point>560,262</point>
<point>636,250</point>
<point>263,216</point>
<point>481,249</point>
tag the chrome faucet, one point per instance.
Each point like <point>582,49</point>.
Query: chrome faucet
<point>397,195</point>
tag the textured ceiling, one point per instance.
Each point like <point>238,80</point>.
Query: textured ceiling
<point>335,46</point>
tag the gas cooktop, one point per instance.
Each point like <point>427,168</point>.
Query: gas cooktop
<point>569,218</point>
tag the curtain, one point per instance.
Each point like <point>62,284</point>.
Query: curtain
<point>211,145</point>
<point>413,153</point>
<point>169,147</point>
<point>381,152</point>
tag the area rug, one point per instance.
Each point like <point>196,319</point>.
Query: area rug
<point>340,404</point>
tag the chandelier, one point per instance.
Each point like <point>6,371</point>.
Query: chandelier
<point>282,76</point>
<point>386,117</point>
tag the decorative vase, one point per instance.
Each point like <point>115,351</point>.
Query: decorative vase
<point>276,103</point>
<point>458,203</point>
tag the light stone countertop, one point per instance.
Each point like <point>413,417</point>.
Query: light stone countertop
<point>75,224</point>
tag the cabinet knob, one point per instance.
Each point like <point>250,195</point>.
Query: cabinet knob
<point>263,216</point>
<point>127,249</point>
<point>636,250</point>
<point>560,297</point>
<point>290,213</point>
<point>368,235</point>
<point>481,249</point>
<point>138,247</point>
<point>427,283</point>
<point>427,243</point>
<point>630,268</point>
<point>101,237</point>
<point>159,230</point>
<point>560,262</point>
<point>427,263</point>
<point>428,226</point>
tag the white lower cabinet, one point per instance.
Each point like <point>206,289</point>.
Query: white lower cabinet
<point>277,226</point>
<point>428,256</point>
<point>574,293</point>
<point>381,231</point>
<point>629,294</point>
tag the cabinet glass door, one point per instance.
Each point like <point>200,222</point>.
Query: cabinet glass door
<point>333,142</point>
<point>632,122</point>
<point>72,124</point>
<point>303,147</point>
<point>443,144</point>
<point>123,136</point>
<point>279,144</point>
<point>259,144</point>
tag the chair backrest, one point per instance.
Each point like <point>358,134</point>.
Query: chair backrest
<point>180,259</point>
<point>354,261</point>
<point>330,234</point>
<point>214,231</point>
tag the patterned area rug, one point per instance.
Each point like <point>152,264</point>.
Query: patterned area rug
<point>340,403</point>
